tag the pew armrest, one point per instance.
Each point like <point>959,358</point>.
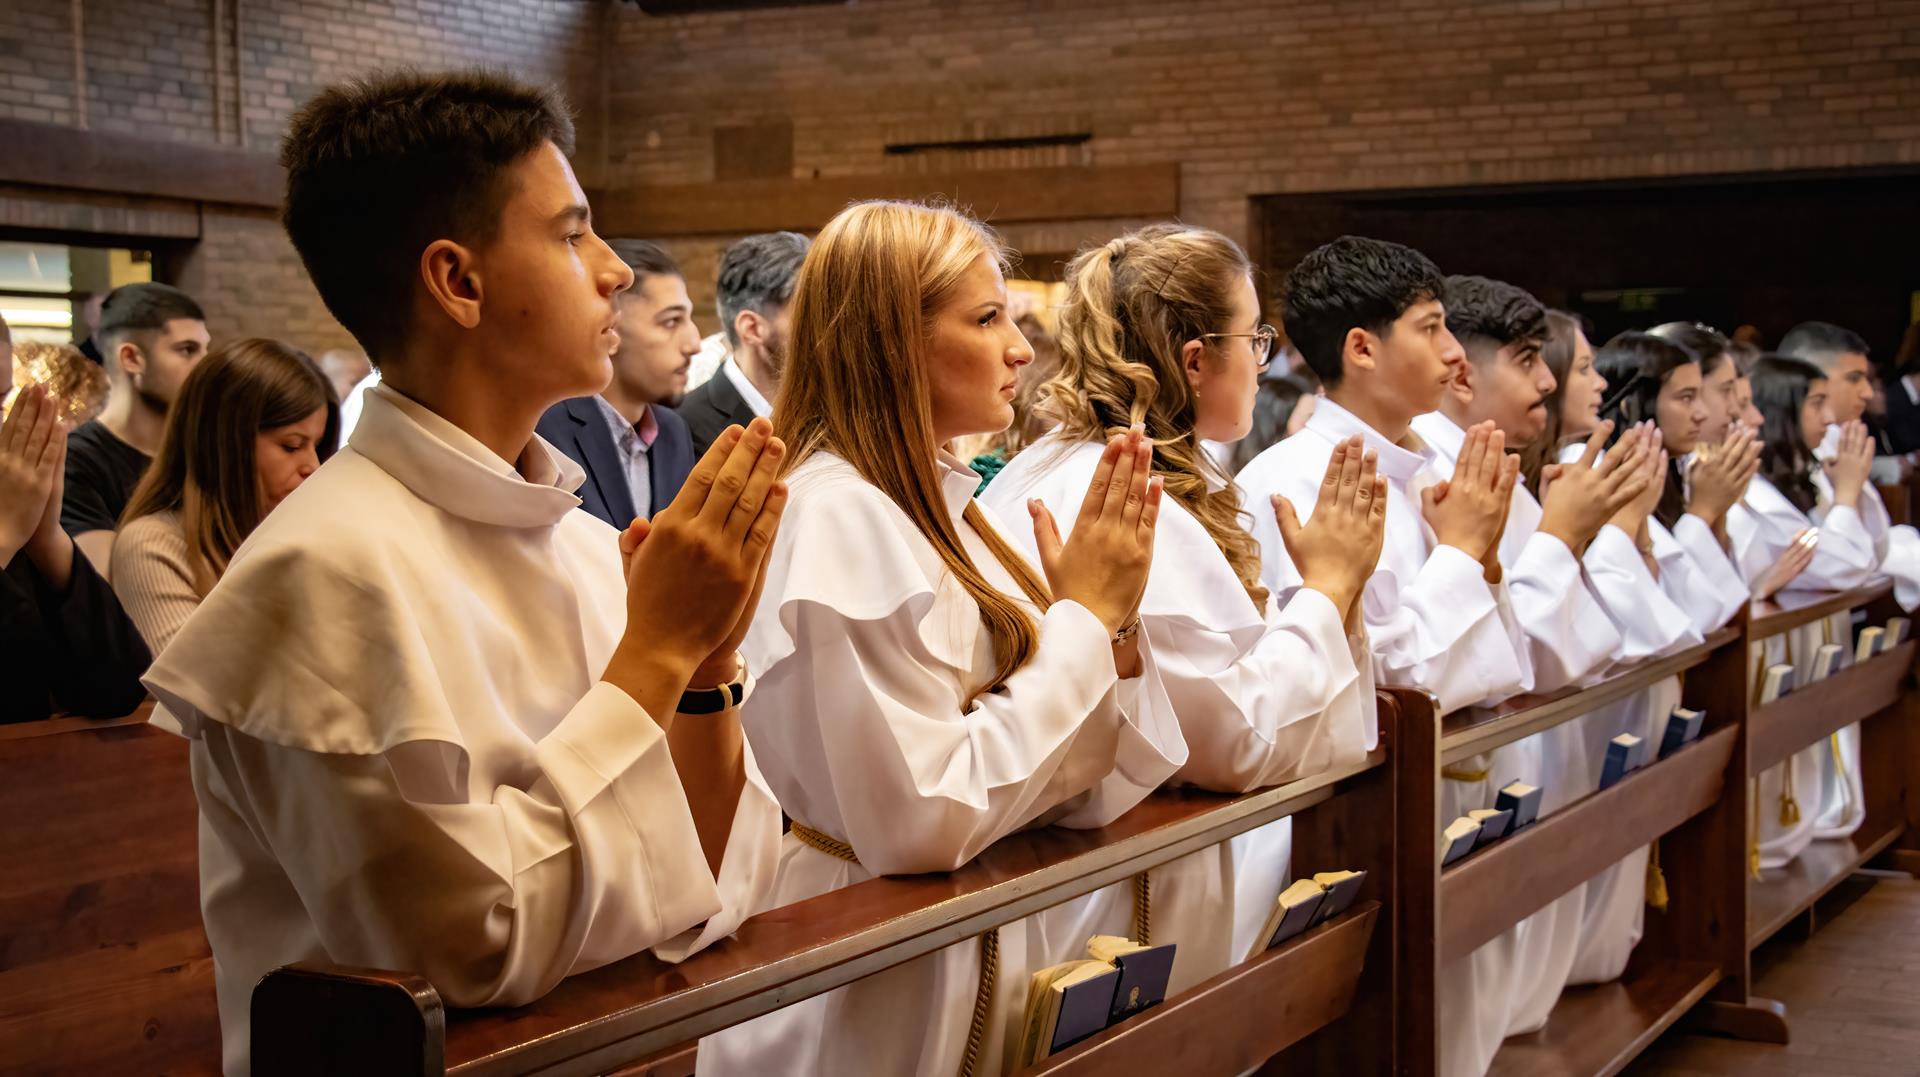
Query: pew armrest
<point>314,1019</point>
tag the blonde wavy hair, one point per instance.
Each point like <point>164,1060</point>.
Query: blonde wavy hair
<point>856,384</point>
<point>1132,305</point>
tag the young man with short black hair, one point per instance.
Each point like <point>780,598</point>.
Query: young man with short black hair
<point>440,721</point>
<point>755,284</point>
<point>153,335</point>
<point>1369,317</point>
<point>634,448</point>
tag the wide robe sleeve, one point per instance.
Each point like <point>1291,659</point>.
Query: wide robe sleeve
<point>1649,621</point>
<point>868,714</point>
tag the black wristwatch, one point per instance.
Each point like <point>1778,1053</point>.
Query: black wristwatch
<point>716,699</point>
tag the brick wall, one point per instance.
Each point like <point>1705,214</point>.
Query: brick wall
<point>230,72</point>
<point>1297,95</point>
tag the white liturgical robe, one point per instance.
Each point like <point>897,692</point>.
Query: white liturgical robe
<point>1263,697</point>
<point>865,720</point>
<point>1434,623</point>
<point>403,755</point>
<point>1761,526</point>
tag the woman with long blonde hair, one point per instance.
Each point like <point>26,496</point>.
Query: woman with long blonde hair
<point>924,690</point>
<point>1162,328</point>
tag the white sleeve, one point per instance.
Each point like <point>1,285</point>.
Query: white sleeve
<point>1299,701</point>
<point>1704,578</point>
<point>494,901</point>
<point>1648,621</point>
<point>1843,557</point>
<point>919,779</point>
<point>1447,631</point>
<point>1568,633</point>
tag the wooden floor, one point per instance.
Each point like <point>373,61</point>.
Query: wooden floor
<point>1852,990</point>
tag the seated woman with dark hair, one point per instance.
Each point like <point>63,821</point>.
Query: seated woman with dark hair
<point>253,420</point>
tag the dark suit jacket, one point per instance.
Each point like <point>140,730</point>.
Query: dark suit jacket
<point>712,407</point>
<point>1903,421</point>
<point>577,427</point>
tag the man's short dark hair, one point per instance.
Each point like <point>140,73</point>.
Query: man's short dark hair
<point>646,258</point>
<point>1487,315</point>
<point>1821,343</point>
<point>757,274</point>
<point>1352,283</point>
<point>380,167</point>
<point>133,310</point>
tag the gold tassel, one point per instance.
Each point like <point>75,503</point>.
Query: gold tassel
<point>1656,880</point>
<point>1462,774</point>
<point>1142,909</point>
<point>1840,773</point>
<point>1789,805</point>
<point>1753,831</point>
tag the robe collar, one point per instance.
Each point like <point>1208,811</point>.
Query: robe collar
<point>1399,463</point>
<point>451,470</point>
<point>957,483</point>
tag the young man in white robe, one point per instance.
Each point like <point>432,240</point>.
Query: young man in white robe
<point>1572,634</point>
<point>1368,317</point>
<point>1842,355</point>
<point>437,725</point>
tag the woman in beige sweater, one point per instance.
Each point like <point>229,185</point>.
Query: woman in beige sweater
<point>252,421</point>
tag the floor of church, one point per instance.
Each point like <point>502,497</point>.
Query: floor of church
<point>1852,990</point>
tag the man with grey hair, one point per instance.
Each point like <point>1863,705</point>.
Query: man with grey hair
<point>755,285</point>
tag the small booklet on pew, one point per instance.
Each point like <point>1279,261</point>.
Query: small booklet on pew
<point>1292,913</point>
<point>1623,757</point>
<point>1068,1002</point>
<point>1458,839</point>
<point>1522,800</point>
<point>1868,644</point>
<point>1683,728</point>
<point>1896,633</point>
<point>1826,661</point>
<point>1775,682</point>
<point>1494,824</point>
<point>1341,887</point>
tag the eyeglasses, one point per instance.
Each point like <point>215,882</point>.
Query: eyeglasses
<point>1263,340</point>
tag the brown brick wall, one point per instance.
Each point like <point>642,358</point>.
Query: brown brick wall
<point>1268,97</point>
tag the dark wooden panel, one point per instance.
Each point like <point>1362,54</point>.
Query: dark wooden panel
<point>755,151</point>
<point>1496,887</point>
<point>1595,1031</point>
<point>1235,1020</point>
<point>1781,895</point>
<point>51,155</point>
<point>1809,715</point>
<point>1791,609</point>
<point>766,205</point>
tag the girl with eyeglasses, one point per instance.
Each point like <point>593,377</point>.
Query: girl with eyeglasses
<point>1161,330</point>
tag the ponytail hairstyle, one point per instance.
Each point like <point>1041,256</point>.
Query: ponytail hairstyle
<point>1780,389</point>
<point>1636,366</point>
<point>205,470</point>
<point>856,385</point>
<point>1563,340</point>
<point>1131,306</point>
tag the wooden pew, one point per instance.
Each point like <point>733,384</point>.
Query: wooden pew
<point>642,1014</point>
<point>1691,803</point>
<point>1878,695</point>
<point>104,967</point>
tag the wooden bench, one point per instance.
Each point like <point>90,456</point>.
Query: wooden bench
<point>104,967</point>
<point>643,1013</point>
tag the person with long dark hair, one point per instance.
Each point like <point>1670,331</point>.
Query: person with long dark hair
<point>1781,509</point>
<point>252,421</point>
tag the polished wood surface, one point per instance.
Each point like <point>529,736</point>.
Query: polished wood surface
<point>1810,714</point>
<point>104,967</point>
<point>1774,899</point>
<point>1791,609</point>
<point>1238,1019</point>
<point>1498,886</point>
<point>1596,1031</point>
<point>1472,731</point>
<point>733,207</point>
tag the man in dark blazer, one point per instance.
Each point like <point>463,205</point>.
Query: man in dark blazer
<point>753,290</point>
<point>635,450</point>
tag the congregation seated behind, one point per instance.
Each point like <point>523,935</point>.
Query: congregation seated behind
<point>514,691</point>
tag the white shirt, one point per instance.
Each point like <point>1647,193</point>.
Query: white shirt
<point>402,752</point>
<point>869,651</point>
<point>351,404</point>
<point>749,392</point>
<point>1433,620</point>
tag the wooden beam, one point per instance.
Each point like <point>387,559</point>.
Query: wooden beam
<point>729,207</point>
<point>52,155</point>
